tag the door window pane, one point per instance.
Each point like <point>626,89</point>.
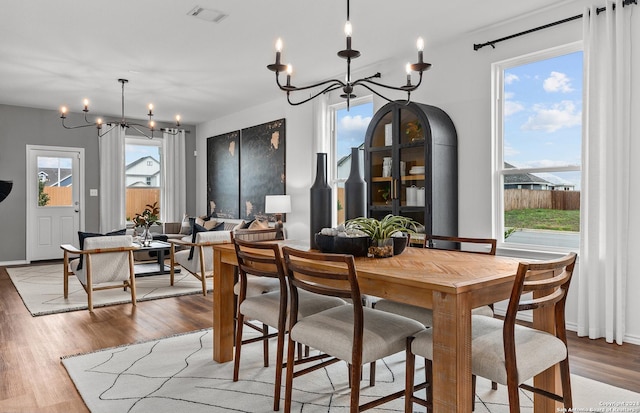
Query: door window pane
<point>55,181</point>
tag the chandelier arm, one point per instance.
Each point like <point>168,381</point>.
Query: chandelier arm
<point>361,82</point>
<point>113,125</point>
<point>405,102</point>
<point>332,82</point>
<point>76,127</point>
<point>135,126</point>
<point>325,90</point>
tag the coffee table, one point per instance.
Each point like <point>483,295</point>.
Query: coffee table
<point>153,268</point>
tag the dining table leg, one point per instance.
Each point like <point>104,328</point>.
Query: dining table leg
<point>223,311</point>
<point>451,352</point>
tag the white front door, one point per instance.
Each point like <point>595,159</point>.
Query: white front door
<point>55,185</point>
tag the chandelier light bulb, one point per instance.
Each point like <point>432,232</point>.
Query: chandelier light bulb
<point>279,45</point>
<point>420,44</point>
<point>152,125</point>
<point>63,111</point>
<point>86,105</point>
<point>289,70</point>
<point>178,118</point>
<point>348,30</point>
<point>99,123</point>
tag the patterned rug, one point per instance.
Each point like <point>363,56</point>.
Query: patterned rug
<point>177,374</point>
<point>41,289</point>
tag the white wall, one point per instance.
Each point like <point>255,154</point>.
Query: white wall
<point>460,83</point>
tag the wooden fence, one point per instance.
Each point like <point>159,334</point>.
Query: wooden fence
<point>137,198</point>
<point>537,199</point>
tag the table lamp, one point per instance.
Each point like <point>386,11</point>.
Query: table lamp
<point>278,205</point>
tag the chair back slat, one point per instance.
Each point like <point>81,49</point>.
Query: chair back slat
<point>457,243</point>
<point>108,266</point>
<point>549,282</point>
<point>340,282</point>
<point>259,258</point>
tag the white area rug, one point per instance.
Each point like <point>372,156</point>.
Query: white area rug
<point>41,289</point>
<point>177,374</point>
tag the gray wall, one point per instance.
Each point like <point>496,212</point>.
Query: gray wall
<point>20,126</point>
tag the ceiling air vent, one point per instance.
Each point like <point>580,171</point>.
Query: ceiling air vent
<point>215,16</point>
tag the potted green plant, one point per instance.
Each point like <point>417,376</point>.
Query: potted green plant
<point>382,232</point>
<point>145,220</point>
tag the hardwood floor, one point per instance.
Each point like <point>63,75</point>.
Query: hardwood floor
<point>32,379</point>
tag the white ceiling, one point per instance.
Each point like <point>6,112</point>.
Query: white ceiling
<point>55,53</point>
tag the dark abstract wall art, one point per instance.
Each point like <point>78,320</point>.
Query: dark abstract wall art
<point>237,185</point>
<point>262,167</point>
<point>223,175</point>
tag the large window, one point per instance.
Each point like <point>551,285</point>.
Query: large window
<point>143,178</point>
<point>538,125</point>
<point>348,130</point>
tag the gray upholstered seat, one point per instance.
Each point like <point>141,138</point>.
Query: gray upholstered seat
<point>487,349</point>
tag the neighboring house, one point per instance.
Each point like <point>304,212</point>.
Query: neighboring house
<point>55,176</point>
<point>531,181</point>
<point>143,172</point>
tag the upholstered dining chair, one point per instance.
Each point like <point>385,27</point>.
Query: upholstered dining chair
<point>510,353</point>
<point>260,260</point>
<point>351,333</point>
<point>107,262</point>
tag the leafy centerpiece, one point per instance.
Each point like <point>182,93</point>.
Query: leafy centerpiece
<point>382,232</point>
<point>145,219</point>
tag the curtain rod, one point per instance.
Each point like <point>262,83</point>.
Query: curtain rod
<point>492,43</point>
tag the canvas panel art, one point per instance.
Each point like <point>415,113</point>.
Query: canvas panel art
<point>223,175</point>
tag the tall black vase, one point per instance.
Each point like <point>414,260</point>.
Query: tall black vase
<point>354,189</point>
<point>320,199</point>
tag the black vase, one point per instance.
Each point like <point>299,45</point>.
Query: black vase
<point>320,200</point>
<point>354,189</point>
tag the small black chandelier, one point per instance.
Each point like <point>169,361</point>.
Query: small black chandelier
<point>122,122</point>
<point>348,85</point>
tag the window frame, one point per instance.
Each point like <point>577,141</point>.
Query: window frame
<point>497,139</point>
<point>332,110</point>
<point>144,141</point>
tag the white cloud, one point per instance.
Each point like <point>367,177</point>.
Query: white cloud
<point>560,115</point>
<point>509,151</point>
<point>355,123</point>
<point>557,82</point>
<point>510,78</point>
<point>511,107</point>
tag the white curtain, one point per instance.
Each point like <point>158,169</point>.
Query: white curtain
<point>112,182</point>
<point>173,200</point>
<point>605,216</point>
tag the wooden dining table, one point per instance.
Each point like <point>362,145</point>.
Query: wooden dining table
<point>451,283</point>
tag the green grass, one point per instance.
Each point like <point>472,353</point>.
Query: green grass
<point>551,219</point>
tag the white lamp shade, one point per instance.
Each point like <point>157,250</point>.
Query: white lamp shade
<point>277,204</point>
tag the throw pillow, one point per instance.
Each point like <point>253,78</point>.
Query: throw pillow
<point>211,224</point>
<point>199,228</point>
<point>84,235</point>
<point>246,224</point>
<point>185,225</point>
<point>256,224</point>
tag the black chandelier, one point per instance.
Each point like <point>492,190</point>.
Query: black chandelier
<point>122,122</point>
<point>348,85</point>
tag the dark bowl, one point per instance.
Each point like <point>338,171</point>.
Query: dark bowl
<point>399,244</point>
<point>356,246</point>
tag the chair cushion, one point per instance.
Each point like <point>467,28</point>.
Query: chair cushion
<point>424,315</point>
<point>331,331</point>
<point>84,235</point>
<point>536,350</point>
<point>258,285</point>
<point>108,266</point>
<point>265,307</point>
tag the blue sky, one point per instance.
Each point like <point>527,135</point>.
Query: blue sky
<point>543,115</point>
<point>352,126</point>
<point>134,152</point>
